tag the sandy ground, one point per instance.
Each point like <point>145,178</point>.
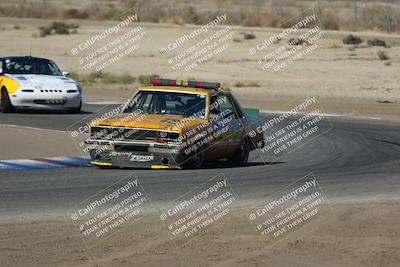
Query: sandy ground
<point>349,235</point>
<point>346,80</point>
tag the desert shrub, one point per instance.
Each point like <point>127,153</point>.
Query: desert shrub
<point>44,31</point>
<point>191,15</point>
<point>351,39</point>
<point>297,41</point>
<point>127,79</point>
<point>330,21</point>
<point>145,79</point>
<point>247,84</point>
<point>249,36</point>
<point>60,27</point>
<point>376,42</point>
<point>381,16</point>
<point>382,55</point>
<point>11,11</point>
<point>113,14</point>
<point>109,78</point>
<point>334,15</point>
<point>102,77</point>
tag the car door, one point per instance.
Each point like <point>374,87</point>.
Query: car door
<point>233,119</point>
<point>216,148</point>
<point>226,125</point>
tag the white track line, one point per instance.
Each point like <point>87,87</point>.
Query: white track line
<point>32,128</point>
<point>264,111</point>
<point>44,163</point>
<point>104,102</point>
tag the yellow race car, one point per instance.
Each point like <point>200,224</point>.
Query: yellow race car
<point>175,124</point>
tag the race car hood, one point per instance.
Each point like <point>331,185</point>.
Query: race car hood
<point>40,81</point>
<point>151,121</point>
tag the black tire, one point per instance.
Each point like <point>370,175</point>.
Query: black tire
<point>104,167</point>
<point>196,160</point>
<point>6,106</point>
<point>78,109</point>
<point>241,156</point>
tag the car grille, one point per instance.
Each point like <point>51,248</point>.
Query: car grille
<point>50,91</point>
<point>49,102</point>
<point>122,133</point>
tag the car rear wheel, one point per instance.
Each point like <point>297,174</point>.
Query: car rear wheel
<point>6,106</point>
<point>196,161</point>
<point>242,154</point>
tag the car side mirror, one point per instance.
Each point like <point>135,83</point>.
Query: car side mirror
<point>65,73</point>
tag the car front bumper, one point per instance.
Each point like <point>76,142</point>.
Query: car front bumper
<point>46,101</point>
<point>152,155</point>
<point>135,159</point>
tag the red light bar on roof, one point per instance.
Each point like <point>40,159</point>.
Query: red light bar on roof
<point>156,81</point>
<point>192,83</point>
<point>206,85</point>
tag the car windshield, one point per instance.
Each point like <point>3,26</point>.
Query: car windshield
<point>30,66</point>
<point>175,103</point>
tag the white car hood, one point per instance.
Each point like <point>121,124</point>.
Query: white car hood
<point>40,81</point>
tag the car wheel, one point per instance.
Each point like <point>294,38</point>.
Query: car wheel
<point>78,109</point>
<point>242,154</point>
<point>6,106</point>
<point>196,161</point>
<point>104,167</point>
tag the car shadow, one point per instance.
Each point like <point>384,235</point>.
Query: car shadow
<point>208,165</point>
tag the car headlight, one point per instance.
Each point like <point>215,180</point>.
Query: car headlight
<point>79,88</point>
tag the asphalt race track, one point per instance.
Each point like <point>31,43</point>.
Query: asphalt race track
<point>357,160</point>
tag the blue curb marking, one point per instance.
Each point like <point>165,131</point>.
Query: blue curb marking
<point>45,163</point>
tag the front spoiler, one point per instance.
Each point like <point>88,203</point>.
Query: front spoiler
<point>135,159</point>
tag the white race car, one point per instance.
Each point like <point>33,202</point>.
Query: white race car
<point>36,83</point>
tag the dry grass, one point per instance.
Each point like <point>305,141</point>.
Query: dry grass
<point>247,84</point>
<point>334,15</point>
<point>102,78</point>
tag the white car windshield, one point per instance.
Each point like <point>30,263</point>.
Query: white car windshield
<point>30,66</point>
